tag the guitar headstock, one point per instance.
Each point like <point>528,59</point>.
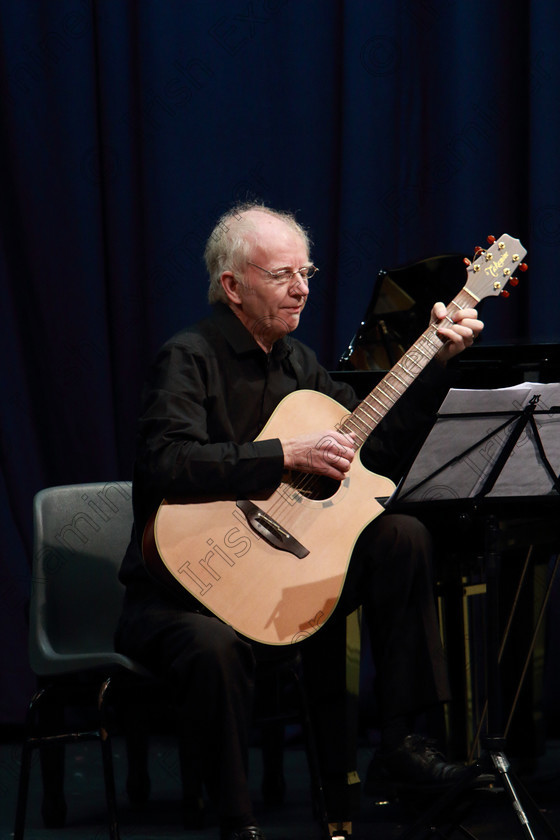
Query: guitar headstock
<point>493,267</point>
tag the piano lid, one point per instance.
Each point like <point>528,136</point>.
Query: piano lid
<point>398,313</point>
<point>399,310</point>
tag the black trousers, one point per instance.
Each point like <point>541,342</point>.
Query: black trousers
<point>213,669</point>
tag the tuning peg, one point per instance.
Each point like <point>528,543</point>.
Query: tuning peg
<point>478,250</point>
<point>523,267</point>
<point>514,281</point>
<point>504,293</point>
<point>466,261</point>
<point>490,239</point>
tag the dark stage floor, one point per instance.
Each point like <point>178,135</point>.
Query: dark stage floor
<point>490,815</point>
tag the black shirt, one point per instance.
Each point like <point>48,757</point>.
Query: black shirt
<point>210,392</point>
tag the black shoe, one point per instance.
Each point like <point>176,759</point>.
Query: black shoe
<point>415,764</point>
<point>248,832</point>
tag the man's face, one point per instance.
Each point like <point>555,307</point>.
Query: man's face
<point>270,309</point>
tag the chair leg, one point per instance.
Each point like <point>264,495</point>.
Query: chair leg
<point>53,808</point>
<point>42,716</point>
<point>107,758</point>
<point>136,736</point>
<point>23,789</point>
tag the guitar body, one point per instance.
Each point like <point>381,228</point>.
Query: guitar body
<point>266,593</point>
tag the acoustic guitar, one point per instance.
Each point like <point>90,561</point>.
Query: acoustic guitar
<point>274,568</point>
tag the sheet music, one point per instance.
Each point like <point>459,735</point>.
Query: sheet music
<point>452,436</point>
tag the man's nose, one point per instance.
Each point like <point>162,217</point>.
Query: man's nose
<point>299,285</point>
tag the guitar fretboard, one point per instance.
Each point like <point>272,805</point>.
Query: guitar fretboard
<point>366,416</point>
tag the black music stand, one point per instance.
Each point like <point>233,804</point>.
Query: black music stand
<point>461,462</point>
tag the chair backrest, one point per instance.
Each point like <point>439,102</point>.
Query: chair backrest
<point>80,536</point>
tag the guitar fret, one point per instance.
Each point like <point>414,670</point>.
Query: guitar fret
<point>381,403</point>
<point>358,432</point>
<point>409,377</point>
<point>417,347</point>
<point>389,399</point>
<point>405,370</point>
<point>380,414</point>
<point>365,412</point>
<point>392,387</point>
<point>431,343</point>
<point>355,416</point>
<point>403,383</point>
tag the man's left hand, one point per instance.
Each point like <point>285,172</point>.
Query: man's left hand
<point>457,331</point>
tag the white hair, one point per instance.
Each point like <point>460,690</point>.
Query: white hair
<point>228,245</point>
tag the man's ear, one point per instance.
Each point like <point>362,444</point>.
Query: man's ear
<point>230,285</point>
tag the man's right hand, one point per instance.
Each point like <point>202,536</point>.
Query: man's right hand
<point>327,453</point>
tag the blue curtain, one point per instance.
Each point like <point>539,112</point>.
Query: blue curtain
<point>395,130</point>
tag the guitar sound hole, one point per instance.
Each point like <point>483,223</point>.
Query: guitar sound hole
<point>314,486</point>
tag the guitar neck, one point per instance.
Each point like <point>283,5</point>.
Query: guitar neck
<point>366,416</point>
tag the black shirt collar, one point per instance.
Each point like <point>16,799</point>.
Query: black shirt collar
<point>239,337</point>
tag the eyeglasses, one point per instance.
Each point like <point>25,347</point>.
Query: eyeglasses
<point>280,278</point>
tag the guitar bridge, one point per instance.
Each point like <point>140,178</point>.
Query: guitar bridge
<point>270,530</point>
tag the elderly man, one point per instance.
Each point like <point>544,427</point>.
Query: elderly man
<point>211,390</point>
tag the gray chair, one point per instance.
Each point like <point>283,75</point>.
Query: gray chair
<point>80,536</point>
